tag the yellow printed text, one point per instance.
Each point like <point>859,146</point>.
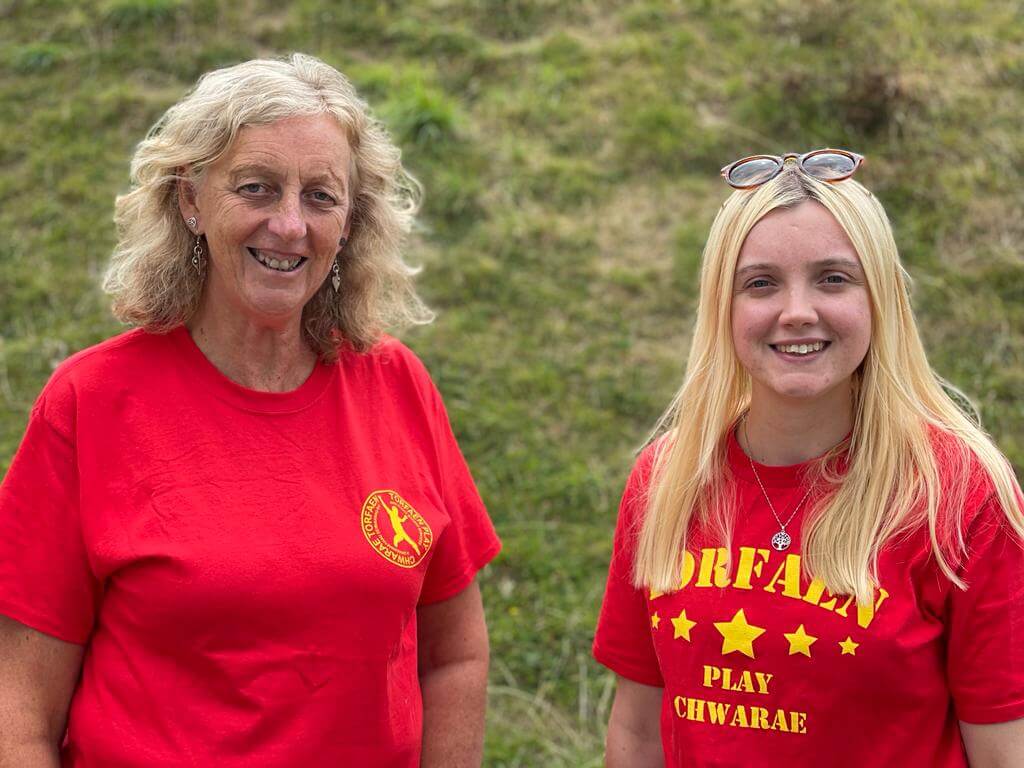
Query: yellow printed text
<point>738,715</point>
<point>744,681</point>
<point>775,573</point>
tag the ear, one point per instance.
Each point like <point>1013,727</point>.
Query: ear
<point>347,228</point>
<point>187,196</point>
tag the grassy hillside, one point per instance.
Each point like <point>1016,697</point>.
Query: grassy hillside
<point>570,155</point>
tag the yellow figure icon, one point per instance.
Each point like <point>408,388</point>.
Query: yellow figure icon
<point>397,518</point>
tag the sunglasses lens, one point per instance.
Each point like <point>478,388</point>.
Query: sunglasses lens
<point>829,165</point>
<point>757,170</point>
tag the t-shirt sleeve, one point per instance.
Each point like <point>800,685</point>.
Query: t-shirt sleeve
<point>45,578</point>
<point>985,664</point>
<point>469,541</point>
<point>623,640</point>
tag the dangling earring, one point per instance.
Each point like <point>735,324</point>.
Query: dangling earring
<point>198,262</point>
<point>197,249</point>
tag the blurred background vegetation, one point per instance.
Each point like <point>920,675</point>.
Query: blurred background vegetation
<point>570,153</point>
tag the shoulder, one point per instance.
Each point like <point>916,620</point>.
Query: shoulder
<point>646,460</point>
<point>638,486</point>
<point>391,364</point>
<point>388,356</point>
<point>124,350</point>
<point>649,459</point>
<point>99,369</point>
<point>975,508</point>
<point>963,478</point>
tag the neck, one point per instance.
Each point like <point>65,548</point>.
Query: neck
<point>781,433</point>
<point>267,358</point>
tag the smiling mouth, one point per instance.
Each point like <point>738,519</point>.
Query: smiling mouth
<point>277,265</point>
<point>800,350</point>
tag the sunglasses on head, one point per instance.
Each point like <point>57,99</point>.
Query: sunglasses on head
<point>822,164</point>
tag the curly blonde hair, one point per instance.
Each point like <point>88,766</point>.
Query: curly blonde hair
<point>150,278</point>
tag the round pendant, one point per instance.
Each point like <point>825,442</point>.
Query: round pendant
<point>781,541</point>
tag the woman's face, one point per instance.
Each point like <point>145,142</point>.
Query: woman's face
<point>801,315</point>
<point>273,210</point>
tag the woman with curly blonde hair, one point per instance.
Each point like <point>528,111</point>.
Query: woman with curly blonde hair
<point>819,561</point>
<point>242,533</point>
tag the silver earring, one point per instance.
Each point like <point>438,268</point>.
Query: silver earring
<point>198,262</point>
<point>336,277</point>
<point>191,221</point>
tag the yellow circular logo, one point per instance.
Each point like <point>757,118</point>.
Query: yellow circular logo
<point>395,530</point>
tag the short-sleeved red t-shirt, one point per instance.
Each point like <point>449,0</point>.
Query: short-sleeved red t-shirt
<point>243,567</point>
<point>761,665</point>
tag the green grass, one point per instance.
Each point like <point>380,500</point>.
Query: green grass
<point>569,152</point>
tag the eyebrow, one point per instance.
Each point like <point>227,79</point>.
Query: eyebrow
<point>256,169</point>
<point>832,263</point>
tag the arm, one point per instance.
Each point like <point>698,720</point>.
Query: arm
<point>453,657</point>
<point>634,729</point>
<point>998,745</point>
<point>38,674</point>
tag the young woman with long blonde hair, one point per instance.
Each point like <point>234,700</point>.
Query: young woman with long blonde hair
<point>819,560</point>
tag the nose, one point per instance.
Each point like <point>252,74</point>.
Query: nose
<point>798,308</point>
<point>287,221</point>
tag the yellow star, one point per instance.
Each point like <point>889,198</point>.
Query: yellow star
<point>655,620</point>
<point>849,647</point>
<point>800,641</point>
<point>682,626</point>
<point>738,635</point>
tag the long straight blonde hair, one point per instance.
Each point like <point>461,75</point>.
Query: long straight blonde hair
<point>891,483</point>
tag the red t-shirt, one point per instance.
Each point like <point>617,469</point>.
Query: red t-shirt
<point>243,567</point>
<point>762,666</point>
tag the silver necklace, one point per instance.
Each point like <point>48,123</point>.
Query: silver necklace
<point>781,540</point>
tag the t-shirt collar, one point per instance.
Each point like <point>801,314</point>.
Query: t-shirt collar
<point>225,389</point>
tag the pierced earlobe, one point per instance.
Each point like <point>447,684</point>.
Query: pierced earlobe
<point>191,222</point>
<point>342,242</point>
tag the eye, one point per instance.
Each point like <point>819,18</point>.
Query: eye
<point>252,188</point>
<point>323,197</point>
<point>836,279</point>
<point>759,283</point>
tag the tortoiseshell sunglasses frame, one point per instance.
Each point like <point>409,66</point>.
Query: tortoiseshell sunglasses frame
<point>858,161</point>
